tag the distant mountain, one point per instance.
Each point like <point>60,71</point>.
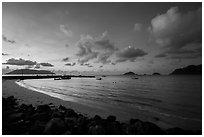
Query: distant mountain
<point>189,70</point>
<point>129,73</point>
<point>30,71</point>
<point>156,73</point>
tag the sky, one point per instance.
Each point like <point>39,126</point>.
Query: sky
<point>101,38</point>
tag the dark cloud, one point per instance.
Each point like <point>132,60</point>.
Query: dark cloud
<point>70,64</point>
<point>179,34</point>
<point>65,59</point>
<point>130,53</point>
<point>4,54</point>
<point>161,55</point>
<point>46,65</point>
<point>7,40</point>
<point>20,62</point>
<point>92,48</point>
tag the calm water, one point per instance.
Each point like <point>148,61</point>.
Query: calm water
<point>175,100</point>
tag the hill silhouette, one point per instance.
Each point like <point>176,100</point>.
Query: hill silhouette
<point>30,71</point>
<point>189,70</point>
<point>129,73</point>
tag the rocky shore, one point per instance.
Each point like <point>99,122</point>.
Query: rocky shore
<point>48,119</point>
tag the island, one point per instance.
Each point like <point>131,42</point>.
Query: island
<point>189,70</point>
<point>29,71</point>
<point>156,73</point>
<point>129,73</point>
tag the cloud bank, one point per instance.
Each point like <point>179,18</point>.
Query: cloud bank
<point>179,34</point>
<point>20,62</point>
<point>23,62</point>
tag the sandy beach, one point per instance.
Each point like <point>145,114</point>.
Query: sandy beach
<point>26,96</point>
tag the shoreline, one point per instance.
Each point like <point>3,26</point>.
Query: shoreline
<point>26,96</point>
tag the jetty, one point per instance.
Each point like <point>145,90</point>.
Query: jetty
<point>22,77</point>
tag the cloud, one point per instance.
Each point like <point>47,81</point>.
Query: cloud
<point>4,54</point>
<point>104,58</point>
<point>178,33</point>
<point>138,27</point>
<point>30,66</point>
<point>70,64</point>
<point>130,53</point>
<point>46,65</point>
<point>37,66</point>
<point>7,40</point>
<point>86,64</point>
<point>101,66</point>
<point>65,29</point>
<point>161,55</point>
<point>67,45</point>
<point>20,62</point>
<point>95,47</point>
<point>65,59</point>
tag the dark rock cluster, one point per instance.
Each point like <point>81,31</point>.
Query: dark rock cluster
<point>51,120</point>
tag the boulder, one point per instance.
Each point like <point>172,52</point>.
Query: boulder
<point>43,108</point>
<point>55,126</point>
<point>111,118</point>
<point>96,130</point>
<point>71,113</point>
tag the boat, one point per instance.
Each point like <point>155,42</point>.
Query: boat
<point>57,78</point>
<point>98,78</point>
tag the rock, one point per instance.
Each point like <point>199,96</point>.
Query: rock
<point>18,127</point>
<point>15,117</point>
<point>71,113</point>
<point>114,128</point>
<point>42,116</point>
<point>62,108</point>
<point>97,117</point>
<point>43,108</point>
<point>96,130</point>
<point>135,128</point>
<point>175,131</point>
<point>55,126</point>
<point>70,122</point>
<point>56,114</point>
<point>37,128</point>
<point>67,132</point>
<point>152,129</point>
<point>111,118</point>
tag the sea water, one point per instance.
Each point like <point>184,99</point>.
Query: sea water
<point>171,101</point>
